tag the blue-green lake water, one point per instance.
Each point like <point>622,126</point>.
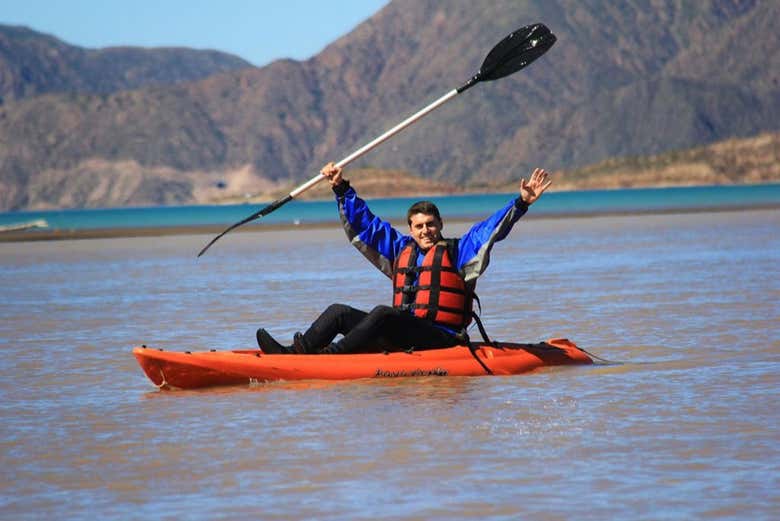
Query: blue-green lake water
<point>588,202</point>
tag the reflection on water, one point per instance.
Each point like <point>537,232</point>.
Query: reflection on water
<point>685,426</point>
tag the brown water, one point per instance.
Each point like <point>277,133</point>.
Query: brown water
<point>686,427</point>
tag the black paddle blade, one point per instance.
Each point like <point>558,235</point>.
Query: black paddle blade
<point>516,51</point>
<point>265,211</point>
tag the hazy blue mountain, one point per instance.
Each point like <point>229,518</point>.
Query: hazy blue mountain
<point>32,63</point>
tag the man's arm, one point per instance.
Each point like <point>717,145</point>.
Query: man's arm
<point>376,239</point>
<point>475,246</point>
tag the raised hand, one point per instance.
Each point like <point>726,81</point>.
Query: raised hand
<point>533,189</point>
<point>333,173</point>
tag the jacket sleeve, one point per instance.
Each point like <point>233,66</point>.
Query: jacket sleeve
<point>376,239</point>
<point>475,246</point>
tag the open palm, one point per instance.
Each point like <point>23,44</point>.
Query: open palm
<point>533,189</point>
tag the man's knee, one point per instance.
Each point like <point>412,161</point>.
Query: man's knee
<point>382,311</point>
<point>338,309</point>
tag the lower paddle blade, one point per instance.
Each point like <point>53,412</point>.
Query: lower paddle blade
<point>265,211</point>
<point>516,51</point>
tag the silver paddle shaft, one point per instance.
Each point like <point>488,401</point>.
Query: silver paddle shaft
<point>378,141</point>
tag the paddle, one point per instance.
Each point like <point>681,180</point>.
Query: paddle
<point>511,54</point>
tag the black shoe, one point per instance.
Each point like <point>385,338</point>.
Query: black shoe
<point>299,344</point>
<point>269,345</point>
<point>332,349</point>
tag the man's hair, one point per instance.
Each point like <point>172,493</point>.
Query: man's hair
<point>423,207</point>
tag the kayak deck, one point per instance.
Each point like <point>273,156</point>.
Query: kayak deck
<point>191,370</point>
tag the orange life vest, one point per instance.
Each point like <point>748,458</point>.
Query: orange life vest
<point>435,290</point>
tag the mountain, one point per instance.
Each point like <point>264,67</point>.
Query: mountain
<point>32,63</point>
<point>632,78</point>
<point>744,160</point>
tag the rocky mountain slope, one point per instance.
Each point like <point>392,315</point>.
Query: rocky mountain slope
<point>753,160</point>
<point>626,79</point>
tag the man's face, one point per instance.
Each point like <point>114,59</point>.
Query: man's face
<point>425,230</point>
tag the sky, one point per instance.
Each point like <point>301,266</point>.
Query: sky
<point>258,31</point>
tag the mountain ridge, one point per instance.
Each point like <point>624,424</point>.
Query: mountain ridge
<point>34,63</point>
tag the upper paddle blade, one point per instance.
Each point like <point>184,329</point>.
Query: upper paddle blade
<point>516,51</point>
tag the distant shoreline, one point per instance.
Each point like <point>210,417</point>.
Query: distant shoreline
<point>214,229</point>
<point>369,192</point>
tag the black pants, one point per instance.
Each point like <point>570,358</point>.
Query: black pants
<point>384,328</point>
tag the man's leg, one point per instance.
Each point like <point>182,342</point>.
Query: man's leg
<point>336,319</point>
<point>392,329</point>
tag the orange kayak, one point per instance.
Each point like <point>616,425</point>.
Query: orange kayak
<point>191,370</point>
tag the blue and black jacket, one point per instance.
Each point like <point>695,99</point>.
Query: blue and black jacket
<point>380,243</point>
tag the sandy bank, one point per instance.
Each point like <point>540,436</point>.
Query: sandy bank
<point>161,231</point>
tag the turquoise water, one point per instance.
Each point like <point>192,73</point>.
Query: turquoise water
<point>459,206</point>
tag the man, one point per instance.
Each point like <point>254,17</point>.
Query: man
<point>433,278</point>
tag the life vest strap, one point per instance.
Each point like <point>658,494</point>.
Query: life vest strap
<point>482,330</point>
<point>426,287</point>
<point>439,308</point>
